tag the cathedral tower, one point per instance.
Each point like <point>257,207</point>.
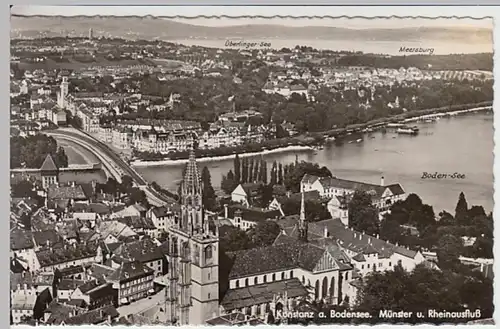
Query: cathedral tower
<point>193,288</point>
<point>302,219</point>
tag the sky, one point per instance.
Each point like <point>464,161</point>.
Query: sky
<point>171,11</point>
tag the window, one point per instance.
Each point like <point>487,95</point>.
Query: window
<point>368,265</point>
<point>291,274</point>
<point>346,275</point>
<point>362,267</point>
<point>274,277</point>
<point>256,280</point>
<point>282,275</point>
<point>246,282</point>
<point>390,264</point>
<point>379,264</point>
<point>265,278</point>
<point>208,295</point>
<point>208,275</point>
<point>237,283</point>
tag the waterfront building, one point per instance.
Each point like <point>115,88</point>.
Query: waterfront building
<point>383,196</point>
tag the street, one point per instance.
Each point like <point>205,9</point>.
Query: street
<point>142,304</point>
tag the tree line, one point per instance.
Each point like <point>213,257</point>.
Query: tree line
<point>31,151</point>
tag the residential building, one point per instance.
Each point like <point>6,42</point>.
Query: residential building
<point>132,280</point>
<point>383,196</point>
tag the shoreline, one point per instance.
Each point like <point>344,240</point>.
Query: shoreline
<point>448,114</point>
<point>168,162</point>
<point>159,163</point>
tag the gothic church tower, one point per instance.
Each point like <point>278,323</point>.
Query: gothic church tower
<point>192,294</point>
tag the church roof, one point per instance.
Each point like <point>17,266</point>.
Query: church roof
<point>262,293</point>
<point>48,164</point>
<point>278,257</point>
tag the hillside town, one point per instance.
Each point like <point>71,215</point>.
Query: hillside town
<point>277,239</point>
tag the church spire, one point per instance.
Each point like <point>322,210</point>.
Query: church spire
<point>302,218</point>
<point>192,181</point>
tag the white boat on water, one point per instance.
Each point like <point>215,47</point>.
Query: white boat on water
<point>408,130</point>
<point>359,140</point>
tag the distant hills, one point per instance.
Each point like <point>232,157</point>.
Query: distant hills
<point>158,28</point>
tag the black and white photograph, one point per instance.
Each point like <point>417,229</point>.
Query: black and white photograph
<point>172,170</point>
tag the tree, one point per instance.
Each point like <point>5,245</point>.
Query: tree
<point>126,184</point>
<point>250,170</point>
<point>264,233</point>
<point>390,230</point>
<point>448,251</point>
<point>363,216</point>
<point>461,210</point>
<point>136,195</point>
<point>263,171</point>
<point>209,197</point>
<point>256,169</point>
<point>61,158</point>
<point>297,170</point>
<point>234,239</point>
<point>244,171</point>
<point>274,174</point>
<point>237,169</point>
<point>228,183</point>
<point>266,193</point>
<point>280,174</point>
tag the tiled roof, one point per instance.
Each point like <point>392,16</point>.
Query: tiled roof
<point>100,271</point>
<point>356,241</point>
<point>144,250</point>
<point>98,208</point>
<point>164,210</point>
<point>42,237</point>
<point>277,257</point>
<point>262,293</point>
<point>21,239</point>
<point>69,284</point>
<point>129,271</point>
<point>60,312</point>
<point>253,214</point>
<point>66,192</point>
<point>48,164</point>
<point>66,253</point>
<point>93,317</point>
<point>137,222</point>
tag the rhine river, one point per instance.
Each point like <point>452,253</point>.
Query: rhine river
<point>462,144</point>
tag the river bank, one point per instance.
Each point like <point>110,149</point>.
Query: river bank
<point>320,138</point>
<point>142,164</point>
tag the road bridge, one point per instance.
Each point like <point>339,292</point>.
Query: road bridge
<point>112,163</point>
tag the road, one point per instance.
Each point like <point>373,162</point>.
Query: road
<point>103,151</point>
<point>142,304</point>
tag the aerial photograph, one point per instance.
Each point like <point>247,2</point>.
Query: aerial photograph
<point>249,171</point>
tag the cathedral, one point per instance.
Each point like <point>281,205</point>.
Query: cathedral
<point>192,293</point>
<point>205,285</point>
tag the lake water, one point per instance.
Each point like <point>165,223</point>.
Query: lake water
<point>462,144</point>
<point>375,47</point>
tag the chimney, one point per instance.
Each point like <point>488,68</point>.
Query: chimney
<point>48,241</point>
<point>225,211</point>
<point>369,240</point>
<point>355,235</point>
<point>382,181</point>
<point>325,232</point>
<point>377,236</point>
<point>361,237</point>
<point>73,183</point>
